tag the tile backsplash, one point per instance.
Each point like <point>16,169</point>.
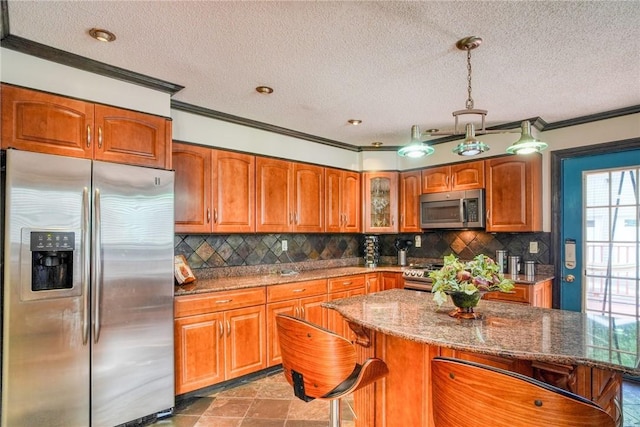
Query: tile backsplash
<point>234,250</point>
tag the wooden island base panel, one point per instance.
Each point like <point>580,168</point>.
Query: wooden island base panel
<point>407,330</point>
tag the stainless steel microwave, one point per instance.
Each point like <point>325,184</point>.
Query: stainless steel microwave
<point>452,210</point>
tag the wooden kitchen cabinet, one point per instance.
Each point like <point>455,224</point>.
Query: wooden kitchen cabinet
<point>299,299</point>
<point>289,197</point>
<point>214,190</point>
<point>514,193</point>
<point>392,281</point>
<point>380,200</point>
<point>460,176</point>
<point>372,282</point>
<point>53,124</point>
<point>410,191</point>
<point>536,295</point>
<point>342,201</point>
<point>218,336</point>
<point>344,287</point>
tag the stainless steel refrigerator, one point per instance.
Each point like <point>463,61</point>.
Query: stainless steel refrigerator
<point>87,292</point>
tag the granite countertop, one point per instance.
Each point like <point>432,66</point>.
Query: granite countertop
<point>255,280</point>
<point>250,281</point>
<point>508,330</point>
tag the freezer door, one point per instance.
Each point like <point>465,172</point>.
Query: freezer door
<point>45,366</point>
<point>132,333</point>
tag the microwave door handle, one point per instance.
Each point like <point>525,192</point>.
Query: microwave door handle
<point>463,210</point>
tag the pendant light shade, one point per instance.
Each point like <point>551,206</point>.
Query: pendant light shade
<point>471,145</point>
<point>526,144</point>
<point>416,148</point>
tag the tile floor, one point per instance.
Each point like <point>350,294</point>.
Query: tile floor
<point>263,402</point>
<point>269,402</point>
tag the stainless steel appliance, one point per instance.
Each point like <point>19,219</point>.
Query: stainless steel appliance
<point>417,277</point>
<point>452,210</point>
<point>88,292</point>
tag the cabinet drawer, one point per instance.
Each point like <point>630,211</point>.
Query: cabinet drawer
<point>296,290</point>
<point>521,294</point>
<point>346,283</point>
<point>190,305</point>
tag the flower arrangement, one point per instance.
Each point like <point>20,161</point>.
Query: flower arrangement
<point>481,274</point>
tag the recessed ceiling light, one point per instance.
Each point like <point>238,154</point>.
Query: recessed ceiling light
<point>102,35</point>
<point>377,144</point>
<point>354,122</point>
<point>264,89</point>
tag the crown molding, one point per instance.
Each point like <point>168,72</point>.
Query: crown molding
<point>49,53</point>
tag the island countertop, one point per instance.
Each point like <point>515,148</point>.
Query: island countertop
<point>507,330</point>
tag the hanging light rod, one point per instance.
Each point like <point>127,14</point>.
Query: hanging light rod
<point>470,146</point>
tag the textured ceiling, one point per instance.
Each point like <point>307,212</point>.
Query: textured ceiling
<point>390,64</point>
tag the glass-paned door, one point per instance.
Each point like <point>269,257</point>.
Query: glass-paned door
<point>611,242</point>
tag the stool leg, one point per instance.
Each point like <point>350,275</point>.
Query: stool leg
<point>335,413</point>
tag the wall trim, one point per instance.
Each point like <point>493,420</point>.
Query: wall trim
<point>49,53</point>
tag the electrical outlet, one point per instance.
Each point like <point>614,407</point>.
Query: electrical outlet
<point>533,247</point>
<point>418,242</point>
<point>285,246</point>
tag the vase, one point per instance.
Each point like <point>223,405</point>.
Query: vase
<point>465,304</point>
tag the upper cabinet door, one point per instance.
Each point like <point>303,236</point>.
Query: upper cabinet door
<point>467,176</point>
<point>351,202</point>
<point>333,209</point>
<point>514,193</point>
<point>124,136</point>
<point>308,203</point>
<point>410,190</point>
<point>380,192</point>
<point>45,123</point>
<point>437,179</point>
<point>192,166</point>
<point>274,186</point>
<point>233,192</point>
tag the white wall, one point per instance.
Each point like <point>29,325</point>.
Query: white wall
<point>28,71</point>
<point>188,127</point>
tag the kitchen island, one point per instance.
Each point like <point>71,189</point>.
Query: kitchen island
<point>581,353</point>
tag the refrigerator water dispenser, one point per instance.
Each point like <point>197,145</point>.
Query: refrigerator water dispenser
<point>51,260</point>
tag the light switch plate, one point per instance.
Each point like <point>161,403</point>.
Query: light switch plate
<point>418,241</point>
<point>533,247</point>
<point>285,246</point>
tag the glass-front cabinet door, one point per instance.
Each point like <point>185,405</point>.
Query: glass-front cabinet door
<point>380,202</point>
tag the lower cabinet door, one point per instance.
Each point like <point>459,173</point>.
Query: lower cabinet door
<point>245,340</point>
<point>199,351</point>
<point>274,356</point>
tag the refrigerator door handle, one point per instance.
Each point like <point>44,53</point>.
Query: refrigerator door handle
<point>86,262</point>
<point>97,266</point>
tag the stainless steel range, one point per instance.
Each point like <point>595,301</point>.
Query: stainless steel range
<point>417,277</point>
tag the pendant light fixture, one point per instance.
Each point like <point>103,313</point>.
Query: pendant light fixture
<point>416,148</point>
<point>471,145</point>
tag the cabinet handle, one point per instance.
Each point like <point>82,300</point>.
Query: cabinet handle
<point>488,213</point>
<point>446,181</point>
<point>453,181</point>
<point>368,286</point>
<point>221,329</point>
<point>88,136</point>
<point>208,215</point>
<point>224,301</point>
<point>299,290</point>
<point>99,136</point>
<point>215,216</point>
<point>392,220</point>
<point>346,283</point>
<point>295,312</point>
<point>290,217</point>
<point>228,328</point>
<point>297,218</point>
<point>302,311</point>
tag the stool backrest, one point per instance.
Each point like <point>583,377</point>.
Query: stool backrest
<point>324,359</point>
<point>468,394</point>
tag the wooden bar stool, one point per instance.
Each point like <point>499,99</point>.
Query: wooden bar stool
<point>467,394</point>
<point>320,364</point>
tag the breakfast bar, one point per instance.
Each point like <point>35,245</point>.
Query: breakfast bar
<point>582,353</point>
